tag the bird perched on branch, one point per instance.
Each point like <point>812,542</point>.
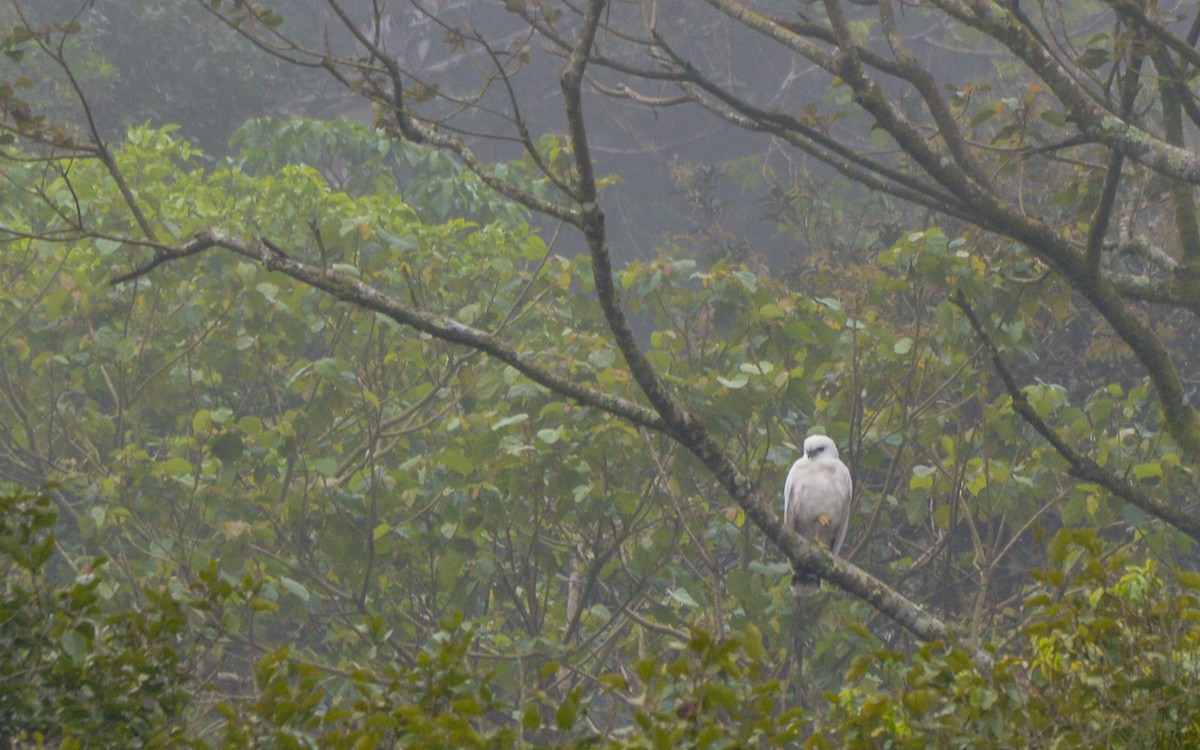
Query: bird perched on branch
<point>816,503</point>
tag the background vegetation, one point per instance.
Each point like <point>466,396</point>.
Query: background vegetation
<point>325,433</point>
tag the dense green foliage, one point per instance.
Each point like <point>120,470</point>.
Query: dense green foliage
<point>1105,656</point>
<point>240,512</point>
<point>79,670</point>
<point>401,526</point>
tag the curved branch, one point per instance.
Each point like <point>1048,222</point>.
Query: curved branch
<point>349,289</point>
<point>97,148</point>
<point>812,141</point>
<point>1181,419</point>
<point>679,422</point>
<point>925,84</point>
<point>1081,466</point>
<point>1137,12</point>
<point>1093,120</point>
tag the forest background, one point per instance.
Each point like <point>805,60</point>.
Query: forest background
<point>426,374</point>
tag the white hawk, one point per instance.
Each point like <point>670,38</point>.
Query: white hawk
<point>816,502</point>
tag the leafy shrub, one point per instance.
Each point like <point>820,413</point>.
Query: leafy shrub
<point>1104,654</point>
<point>74,670</point>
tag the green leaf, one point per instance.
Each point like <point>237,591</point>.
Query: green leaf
<point>531,717</point>
<point>771,311</point>
<point>41,552</point>
<point>734,383</point>
<point>75,646</point>
<point>535,248</point>
<point>176,466</point>
<point>756,368</point>
<point>328,368</point>
<point>107,247</point>
<point>752,642</point>
<point>455,461</point>
<point>1150,473</point>
<point>749,280</point>
<point>683,597</point>
<point>602,359</point>
<point>326,467</point>
<point>228,447</point>
<point>568,711</point>
<point>720,694</point>
<point>509,421</point>
<point>1189,578</point>
<point>201,422</point>
<point>295,587</point>
<point>1093,58</point>
<point>614,681</point>
<point>770,569</point>
<point>469,313</point>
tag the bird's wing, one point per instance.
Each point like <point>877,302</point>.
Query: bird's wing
<point>846,486</point>
<point>790,487</point>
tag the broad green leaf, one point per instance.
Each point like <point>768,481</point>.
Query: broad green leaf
<point>296,588</point>
<point>734,383</point>
<point>510,420</point>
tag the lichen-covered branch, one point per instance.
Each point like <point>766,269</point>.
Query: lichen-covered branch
<point>1001,22</point>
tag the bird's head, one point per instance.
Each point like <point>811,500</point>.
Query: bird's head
<point>819,446</point>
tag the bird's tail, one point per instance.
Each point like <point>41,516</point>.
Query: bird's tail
<point>805,583</point>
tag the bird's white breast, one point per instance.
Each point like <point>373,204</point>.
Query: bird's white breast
<point>820,489</point>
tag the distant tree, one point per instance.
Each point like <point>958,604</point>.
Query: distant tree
<point>163,62</point>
